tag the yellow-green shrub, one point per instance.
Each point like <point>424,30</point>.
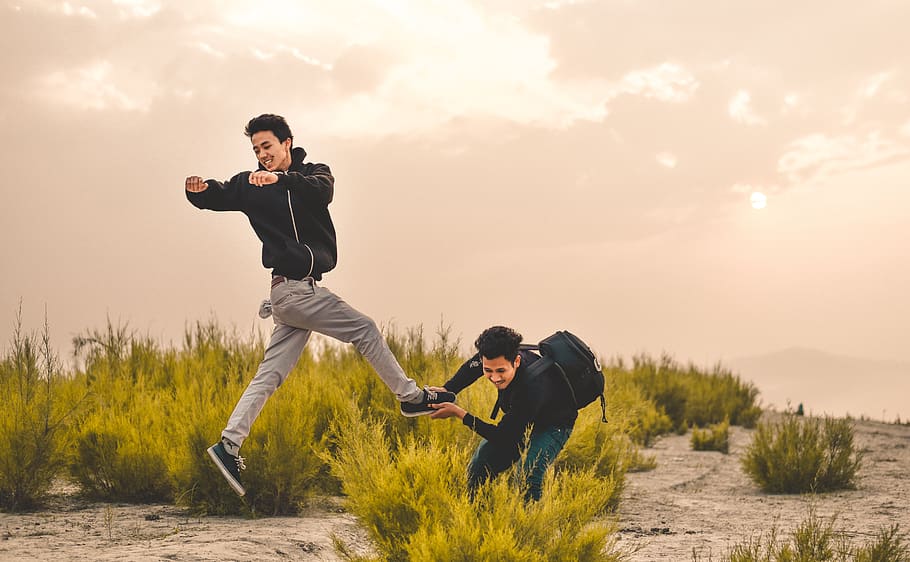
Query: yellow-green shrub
<point>798,455</point>
<point>819,540</point>
<point>715,437</point>
<point>412,499</point>
<point>689,395</point>
<point>114,459</point>
<point>629,408</point>
<point>37,405</point>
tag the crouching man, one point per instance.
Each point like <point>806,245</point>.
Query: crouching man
<point>542,403</point>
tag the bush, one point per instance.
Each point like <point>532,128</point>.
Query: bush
<point>691,396</point>
<point>798,455</point>
<point>818,540</point>
<point>411,496</point>
<point>38,403</point>
<point>715,438</point>
<point>151,411</point>
<point>112,460</point>
<point>629,407</point>
<point>888,546</point>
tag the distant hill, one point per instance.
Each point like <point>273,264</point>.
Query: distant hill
<point>826,383</point>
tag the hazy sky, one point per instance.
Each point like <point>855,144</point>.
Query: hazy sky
<point>568,164</point>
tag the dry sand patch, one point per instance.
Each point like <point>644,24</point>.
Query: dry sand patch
<point>704,501</point>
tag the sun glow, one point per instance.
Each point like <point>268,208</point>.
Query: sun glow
<point>759,200</point>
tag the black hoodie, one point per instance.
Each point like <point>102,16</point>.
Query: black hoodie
<point>540,402</point>
<point>307,189</point>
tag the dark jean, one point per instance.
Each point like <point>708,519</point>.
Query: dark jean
<point>543,447</point>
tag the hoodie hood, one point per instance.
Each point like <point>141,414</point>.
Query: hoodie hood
<point>298,155</point>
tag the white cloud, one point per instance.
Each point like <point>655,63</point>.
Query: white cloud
<point>818,155</point>
<point>794,103</point>
<point>434,62</point>
<point>872,85</point>
<point>740,109</point>
<point>92,87</point>
<point>138,8</point>
<point>83,11</point>
<point>666,159</point>
<point>209,50</point>
<point>457,61</point>
<point>95,9</point>
<point>559,4</point>
<point>667,82</point>
<point>872,92</point>
<point>294,52</point>
<point>262,55</point>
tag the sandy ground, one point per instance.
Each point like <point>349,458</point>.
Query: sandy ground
<point>704,502</point>
<point>693,502</point>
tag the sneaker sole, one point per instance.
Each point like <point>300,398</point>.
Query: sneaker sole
<point>415,414</point>
<point>237,487</point>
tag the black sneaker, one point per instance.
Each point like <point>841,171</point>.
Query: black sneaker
<point>229,465</point>
<point>423,408</point>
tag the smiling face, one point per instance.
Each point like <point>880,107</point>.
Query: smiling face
<point>273,154</point>
<point>500,371</point>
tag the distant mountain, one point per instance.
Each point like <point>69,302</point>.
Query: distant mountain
<point>826,383</point>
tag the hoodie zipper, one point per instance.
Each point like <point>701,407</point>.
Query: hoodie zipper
<point>297,236</point>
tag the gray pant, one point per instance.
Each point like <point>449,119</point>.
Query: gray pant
<point>299,308</point>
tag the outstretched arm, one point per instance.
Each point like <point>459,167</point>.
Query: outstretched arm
<point>467,374</point>
<point>211,194</point>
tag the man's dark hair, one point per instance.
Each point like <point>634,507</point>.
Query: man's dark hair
<point>269,122</point>
<point>498,341</point>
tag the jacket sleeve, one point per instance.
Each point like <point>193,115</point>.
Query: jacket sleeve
<point>315,182</point>
<point>227,196</point>
<point>465,376</point>
<point>511,428</point>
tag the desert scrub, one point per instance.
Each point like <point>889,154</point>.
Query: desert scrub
<point>689,395</point>
<point>798,455</point>
<point>629,407</point>
<point>715,437</point>
<point>411,496</point>
<point>607,448</point>
<point>818,539</point>
<point>38,403</point>
<point>112,460</point>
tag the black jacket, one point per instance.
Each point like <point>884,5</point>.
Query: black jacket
<point>307,188</point>
<point>541,402</point>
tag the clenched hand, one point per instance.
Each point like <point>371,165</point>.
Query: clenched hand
<point>262,177</point>
<point>195,184</point>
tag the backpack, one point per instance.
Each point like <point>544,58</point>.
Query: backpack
<point>570,359</point>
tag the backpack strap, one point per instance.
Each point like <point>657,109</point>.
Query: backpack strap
<point>495,411</point>
<point>521,347</point>
<point>538,366</point>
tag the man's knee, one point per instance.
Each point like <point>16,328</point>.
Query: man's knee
<point>367,327</point>
<point>268,379</point>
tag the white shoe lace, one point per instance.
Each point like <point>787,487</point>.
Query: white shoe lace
<point>431,394</point>
<point>240,464</point>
